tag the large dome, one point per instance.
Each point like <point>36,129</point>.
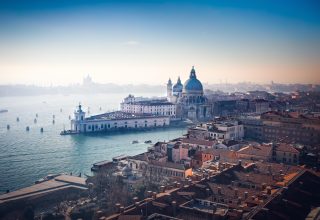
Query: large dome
<point>193,84</point>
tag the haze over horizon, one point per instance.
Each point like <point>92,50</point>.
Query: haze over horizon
<point>146,42</point>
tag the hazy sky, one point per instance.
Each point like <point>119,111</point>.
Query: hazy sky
<point>44,42</point>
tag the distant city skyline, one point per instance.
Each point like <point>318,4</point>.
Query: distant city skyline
<point>143,42</point>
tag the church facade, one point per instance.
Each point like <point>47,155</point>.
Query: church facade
<point>190,99</point>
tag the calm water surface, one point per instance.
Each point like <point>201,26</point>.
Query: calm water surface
<point>28,156</point>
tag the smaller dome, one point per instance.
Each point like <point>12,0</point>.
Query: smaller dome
<point>178,86</point>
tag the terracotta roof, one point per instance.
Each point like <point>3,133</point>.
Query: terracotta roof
<point>177,166</point>
<point>197,141</point>
<point>286,148</point>
<point>262,150</point>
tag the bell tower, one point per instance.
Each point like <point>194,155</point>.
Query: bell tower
<point>79,115</point>
<point>169,90</point>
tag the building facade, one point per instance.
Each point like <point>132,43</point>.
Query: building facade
<point>115,121</point>
<point>152,106</point>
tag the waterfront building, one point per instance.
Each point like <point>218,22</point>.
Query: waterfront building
<point>44,195</point>
<point>148,106</point>
<point>117,120</point>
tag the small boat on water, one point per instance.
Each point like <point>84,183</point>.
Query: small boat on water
<point>135,142</point>
<point>8,127</point>
<point>41,130</point>
<point>148,142</point>
<point>35,120</point>
<point>3,110</point>
<point>18,119</point>
<point>67,132</point>
<point>27,128</point>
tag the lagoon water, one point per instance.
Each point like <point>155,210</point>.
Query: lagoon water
<point>26,156</point>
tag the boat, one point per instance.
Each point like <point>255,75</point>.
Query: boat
<point>67,132</point>
<point>40,181</point>
<point>41,130</point>
<point>148,142</point>
<point>3,110</point>
<point>35,120</point>
<point>135,142</point>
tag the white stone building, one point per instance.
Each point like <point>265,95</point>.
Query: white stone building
<point>227,130</point>
<point>148,106</point>
<point>116,121</point>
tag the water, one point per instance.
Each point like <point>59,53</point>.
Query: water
<point>26,156</point>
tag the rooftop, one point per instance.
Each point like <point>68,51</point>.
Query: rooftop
<point>119,115</point>
<point>261,150</point>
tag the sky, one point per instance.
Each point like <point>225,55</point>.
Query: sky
<point>134,42</point>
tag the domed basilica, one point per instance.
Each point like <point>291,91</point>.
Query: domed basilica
<point>189,98</point>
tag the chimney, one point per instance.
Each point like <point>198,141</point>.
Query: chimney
<point>236,192</point>
<point>207,191</point>
<point>135,199</point>
<point>174,207</point>
<point>118,207</point>
<point>268,190</point>
<point>154,195</point>
<point>149,194</point>
<point>99,214</point>
<point>162,189</point>
<point>121,209</point>
<point>245,195</point>
<point>240,162</point>
<point>137,204</point>
<point>239,200</point>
